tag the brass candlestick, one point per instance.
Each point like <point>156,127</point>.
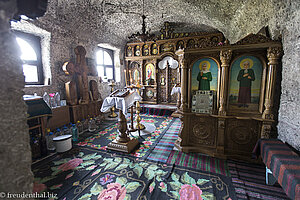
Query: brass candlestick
<point>138,119</point>
<point>112,110</point>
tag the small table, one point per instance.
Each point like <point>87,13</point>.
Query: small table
<point>123,143</point>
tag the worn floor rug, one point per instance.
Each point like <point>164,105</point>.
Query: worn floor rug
<point>102,138</point>
<point>86,173</point>
<point>164,147</point>
<point>199,161</point>
<point>250,183</point>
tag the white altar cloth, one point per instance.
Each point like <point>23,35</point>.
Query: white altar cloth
<point>176,90</point>
<point>121,103</point>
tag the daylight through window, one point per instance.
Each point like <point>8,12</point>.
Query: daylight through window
<point>105,64</point>
<point>31,57</point>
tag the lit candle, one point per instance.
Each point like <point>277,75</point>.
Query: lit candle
<point>130,77</point>
<point>125,77</point>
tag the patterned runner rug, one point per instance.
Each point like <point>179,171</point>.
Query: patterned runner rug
<point>164,147</point>
<point>85,173</point>
<point>161,111</point>
<point>101,139</point>
<point>199,161</point>
<point>249,182</point>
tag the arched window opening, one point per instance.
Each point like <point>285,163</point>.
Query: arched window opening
<point>31,57</point>
<point>105,64</point>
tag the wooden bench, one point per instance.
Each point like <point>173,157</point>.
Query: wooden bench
<point>282,163</point>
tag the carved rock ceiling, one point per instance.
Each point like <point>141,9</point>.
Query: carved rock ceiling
<point>112,21</point>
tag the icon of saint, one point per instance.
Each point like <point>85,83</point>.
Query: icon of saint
<point>204,76</point>
<point>245,77</point>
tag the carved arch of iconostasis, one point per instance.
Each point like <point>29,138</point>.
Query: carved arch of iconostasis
<point>214,71</point>
<point>246,88</point>
<point>167,77</point>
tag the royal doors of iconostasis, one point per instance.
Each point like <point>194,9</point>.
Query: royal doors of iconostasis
<point>157,77</point>
<point>168,78</point>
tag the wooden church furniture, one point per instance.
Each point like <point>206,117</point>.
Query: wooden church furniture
<point>283,164</point>
<point>142,59</point>
<point>38,112</point>
<point>83,96</point>
<point>60,117</point>
<point>242,77</point>
<point>123,102</point>
<point>234,128</point>
<point>83,111</point>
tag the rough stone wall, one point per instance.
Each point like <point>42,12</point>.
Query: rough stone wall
<point>62,44</point>
<point>15,154</point>
<point>289,111</point>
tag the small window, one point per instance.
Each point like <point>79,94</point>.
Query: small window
<point>30,47</point>
<point>105,64</point>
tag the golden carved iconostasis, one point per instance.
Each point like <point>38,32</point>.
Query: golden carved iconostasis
<point>226,90</point>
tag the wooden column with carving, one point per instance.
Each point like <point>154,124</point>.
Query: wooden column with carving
<point>183,133</point>
<point>225,57</point>
<point>273,54</point>
<point>184,84</point>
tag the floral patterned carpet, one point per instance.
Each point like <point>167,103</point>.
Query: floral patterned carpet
<point>101,139</point>
<point>87,173</point>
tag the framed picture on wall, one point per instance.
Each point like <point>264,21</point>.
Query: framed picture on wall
<point>246,86</point>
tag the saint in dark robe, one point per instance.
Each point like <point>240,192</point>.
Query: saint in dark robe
<point>245,77</point>
<point>204,77</point>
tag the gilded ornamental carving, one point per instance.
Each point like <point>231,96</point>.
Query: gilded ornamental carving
<point>254,39</point>
<point>225,57</point>
<point>273,54</point>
